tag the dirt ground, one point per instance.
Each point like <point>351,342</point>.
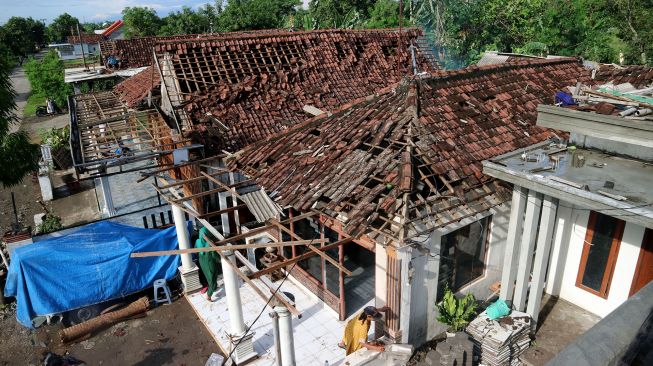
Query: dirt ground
<point>27,195</point>
<point>168,335</point>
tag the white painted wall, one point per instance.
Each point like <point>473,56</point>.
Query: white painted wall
<point>567,251</point>
<point>423,285</point>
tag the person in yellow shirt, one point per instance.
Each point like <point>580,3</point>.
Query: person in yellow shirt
<point>355,336</point>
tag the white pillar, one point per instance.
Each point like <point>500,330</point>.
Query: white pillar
<point>512,249</point>
<point>106,194</point>
<point>243,342</point>
<point>559,250</point>
<point>232,292</point>
<point>543,248</point>
<point>182,236</point>
<point>533,205</point>
<point>44,181</point>
<point>188,270</point>
<point>286,336</point>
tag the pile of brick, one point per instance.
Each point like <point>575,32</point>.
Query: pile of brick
<point>500,342</point>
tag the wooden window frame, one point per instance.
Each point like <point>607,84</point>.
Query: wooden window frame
<point>612,257</point>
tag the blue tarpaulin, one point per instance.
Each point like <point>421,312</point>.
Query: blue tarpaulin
<point>86,267</point>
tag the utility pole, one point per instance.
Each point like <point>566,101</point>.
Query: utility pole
<point>82,47</point>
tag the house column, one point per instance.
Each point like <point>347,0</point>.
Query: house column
<point>527,246</point>
<point>543,248</point>
<point>188,270</point>
<point>512,249</point>
<point>106,195</point>
<point>393,295</point>
<point>286,340</point>
<point>240,340</point>
<point>380,286</point>
<point>559,250</point>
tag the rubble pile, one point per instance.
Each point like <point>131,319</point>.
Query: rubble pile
<point>500,341</point>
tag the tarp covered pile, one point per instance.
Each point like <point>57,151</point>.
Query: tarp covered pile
<point>501,341</point>
<point>86,267</point>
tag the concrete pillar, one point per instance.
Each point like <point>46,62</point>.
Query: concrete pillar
<point>190,278</point>
<point>433,271</point>
<point>182,236</point>
<point>559,250</point>
<point>286,339</point>
<point>380,285</point>
<point>543,248</point>
<point>106,194</point>
<point>533,206</point>
<point>512,249</point>
<point>47,193</point>
<point>240,340</point>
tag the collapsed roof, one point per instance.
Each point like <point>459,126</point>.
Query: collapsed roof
<point>638,75</point>
<point>133,90</point>
<point>239,89</point>
<point>408,160</point>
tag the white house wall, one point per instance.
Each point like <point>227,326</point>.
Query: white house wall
<point>423,283</point>
<point>571,241</point>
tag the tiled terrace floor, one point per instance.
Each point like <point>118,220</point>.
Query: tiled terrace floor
<point>316,334</point>
<point>560,323</point>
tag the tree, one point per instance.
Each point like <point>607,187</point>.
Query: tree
<point>22,36</point>
<point>140,22</point>
<point>186,21</point>
<point>256,14</point>
<point>384,14</point>
<point>340,13</point>
<point>60,28</point>
<point>17,155</point>
<point>46,77</point>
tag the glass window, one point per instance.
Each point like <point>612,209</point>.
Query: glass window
<point>463,256</point>
<point>308,229</point>
<point>599,253</point>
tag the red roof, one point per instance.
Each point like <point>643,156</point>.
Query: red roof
<point>421,139</point>
<point>86,38</point>
<point>133,90</point>
<point>112,28</point>
<point>639,76</point>
<point>249,86</point>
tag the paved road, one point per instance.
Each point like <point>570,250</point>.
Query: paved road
<point>31,124</point>
<point>22,88</point>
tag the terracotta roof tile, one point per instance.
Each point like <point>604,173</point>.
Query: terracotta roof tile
<point>133,90</point>
<point>639,76</point>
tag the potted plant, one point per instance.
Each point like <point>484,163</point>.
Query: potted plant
<point>456,313</point>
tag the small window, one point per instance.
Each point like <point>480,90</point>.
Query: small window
<point>599,255</point>
<point>463,255</point>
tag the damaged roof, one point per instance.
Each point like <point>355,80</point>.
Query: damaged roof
<point>638,75</point>
<point>133,90</point>
<point>408,160</point>
<point>86,38</point>
<point>241,89</point>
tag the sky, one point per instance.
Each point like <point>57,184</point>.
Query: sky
<point>86,10</point>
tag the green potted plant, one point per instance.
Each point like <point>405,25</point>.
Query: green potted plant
<point>456,313</point>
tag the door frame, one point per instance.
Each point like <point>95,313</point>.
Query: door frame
<point>647,240</point>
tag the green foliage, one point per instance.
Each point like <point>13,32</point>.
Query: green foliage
<point>22,36</point>
<point>187,21</point>
<point>384,14</point>
<point>140,21</point>
<point>456,313</point>
<point>17,155</point>
<point>47,78</point>
<point>256,14</point>
<point>56,137</point>
<point>33,101</point>
<point>340,13</point>
<point>50,223</point>
<point>60,28</point>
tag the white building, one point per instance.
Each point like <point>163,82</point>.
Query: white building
<point>581,219</point>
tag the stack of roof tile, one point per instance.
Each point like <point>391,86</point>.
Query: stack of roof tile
<point>500,342</point>
<point>133,90</point>
<point>419,145</point>
<point>256,85</point>
<point>637,75</point>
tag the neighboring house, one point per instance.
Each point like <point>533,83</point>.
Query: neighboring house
<point>582,219</point>
<point>115,30</point>
<point>72,49</point>
<point>398,174</point>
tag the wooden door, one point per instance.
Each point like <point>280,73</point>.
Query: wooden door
<point>644,269</point>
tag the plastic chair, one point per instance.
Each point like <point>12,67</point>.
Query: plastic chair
<point>163,285</point>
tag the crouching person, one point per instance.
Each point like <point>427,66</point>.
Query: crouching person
<point>355,336</point>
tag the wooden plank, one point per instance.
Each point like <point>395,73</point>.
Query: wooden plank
<point>221,248</point>
<point>220,212</point>
<point>299,258</point>
<point>318,252</point>
<point>256,289</point>
<point>222,185</point>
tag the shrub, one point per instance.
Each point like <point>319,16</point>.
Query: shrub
<point>56,137</point>
<point>46,77</point>
<point>456,313</point>
<point>50,223</point>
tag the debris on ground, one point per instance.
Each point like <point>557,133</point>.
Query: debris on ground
<point>498,342</point>
<point>457,350</point>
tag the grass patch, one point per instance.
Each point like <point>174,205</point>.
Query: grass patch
<point>33,101</point>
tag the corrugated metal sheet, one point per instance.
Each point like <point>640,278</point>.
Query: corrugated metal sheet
<point>492,58</point>
<point>261,206</point>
